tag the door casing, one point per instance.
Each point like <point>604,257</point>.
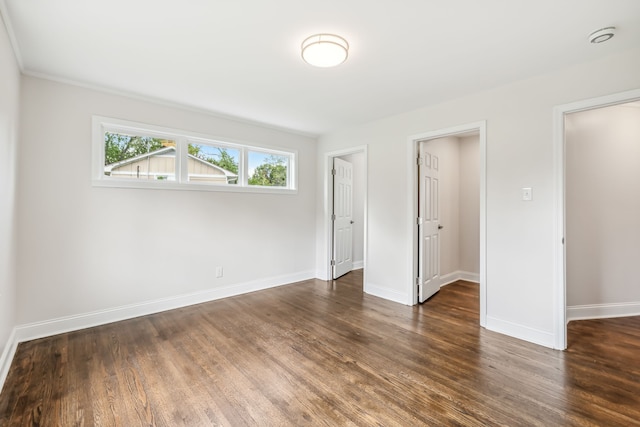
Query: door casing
<point>414,150</point>
<point>328,211</point>
<point>559,249</point>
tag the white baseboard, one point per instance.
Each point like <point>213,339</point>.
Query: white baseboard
<point>7,356</point>
<point>403,298</point>
<point>602,311</point>
<point>522,332</point>
<point>447,279</point>
<point>322,275</point>
<point>87,320</point>
<point>385,293</point>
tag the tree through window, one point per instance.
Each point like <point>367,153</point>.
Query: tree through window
<point>268,170</point>
<point>135,155</point>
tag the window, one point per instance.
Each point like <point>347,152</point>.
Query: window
<point>213,164</point>
<point>268,169</point>
<point>127,154</point>
<point>131,156</point>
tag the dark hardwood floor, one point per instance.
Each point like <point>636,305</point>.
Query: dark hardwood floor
<point>324,354</point>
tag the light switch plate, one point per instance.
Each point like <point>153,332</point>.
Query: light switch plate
<point>527,194</point>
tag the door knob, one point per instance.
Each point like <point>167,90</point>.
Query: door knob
<point>440,227</point>
<point>351,221</point>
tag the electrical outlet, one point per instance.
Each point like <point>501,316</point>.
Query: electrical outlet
<point>527,194</point>
<point>219,272</point>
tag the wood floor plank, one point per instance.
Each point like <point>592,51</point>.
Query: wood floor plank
<point>324,353</point>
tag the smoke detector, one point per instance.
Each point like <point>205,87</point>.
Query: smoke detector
<point>602,35</point>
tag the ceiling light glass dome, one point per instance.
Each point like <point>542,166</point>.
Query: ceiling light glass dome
<point>325,50</point>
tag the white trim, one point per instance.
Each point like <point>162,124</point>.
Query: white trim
<point>467,276</point>
<point>87,320</point>
<point>181,137</point>
<point>192,186</point>
<point>602,311</point>
<point>522,332</point>
<point>325,272</point>
<point>357,265</point>
<point>6,358</point>
<point>559,283</point>
<point>386,293</point>
<point>483,224</point>
<point>559,278</point>
<point>412,173</point>
<point>164,102</point>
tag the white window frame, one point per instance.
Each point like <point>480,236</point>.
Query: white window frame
<point>182,138</point>
<point>265,151</point>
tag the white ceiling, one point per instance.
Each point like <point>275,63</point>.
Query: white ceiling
<point>242,57</point>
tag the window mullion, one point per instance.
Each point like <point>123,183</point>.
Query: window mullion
<point>139,156</point>
<point>182,151</point>
<point>243,171</point>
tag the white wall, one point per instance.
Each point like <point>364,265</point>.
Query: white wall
<point>520,240</point>
<point>603,205</point>
<point>358,162</point>
<point>9,124</point>
<point>469,204</point>
<point>83,249</point>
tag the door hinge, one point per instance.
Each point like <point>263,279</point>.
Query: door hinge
<point>333,217</point>
<point>419,221</point>
<point>333,171</point>
<point>417,281</point>
<point>333,262</point>
<point>419,160</point>
<point>563,240</point>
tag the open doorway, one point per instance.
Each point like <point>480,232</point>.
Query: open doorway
<point>345,213</point>
<point>448,212</point>
<point>449,188</point>
<point>597,163</point>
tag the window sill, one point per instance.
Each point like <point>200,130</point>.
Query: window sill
<point>116,183</point>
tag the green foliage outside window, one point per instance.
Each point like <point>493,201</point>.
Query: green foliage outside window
<point>118,147</point>
<point>222,158</point>
<point>272,173</point>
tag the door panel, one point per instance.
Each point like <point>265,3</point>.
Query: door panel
<point>343,217</point>
<point>429,224</point>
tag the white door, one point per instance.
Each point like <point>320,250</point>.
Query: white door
<point>342,217</point>
<point>428,224</point>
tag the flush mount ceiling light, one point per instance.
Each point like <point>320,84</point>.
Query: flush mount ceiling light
<point>602,35</point>
<point>325,50</point>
